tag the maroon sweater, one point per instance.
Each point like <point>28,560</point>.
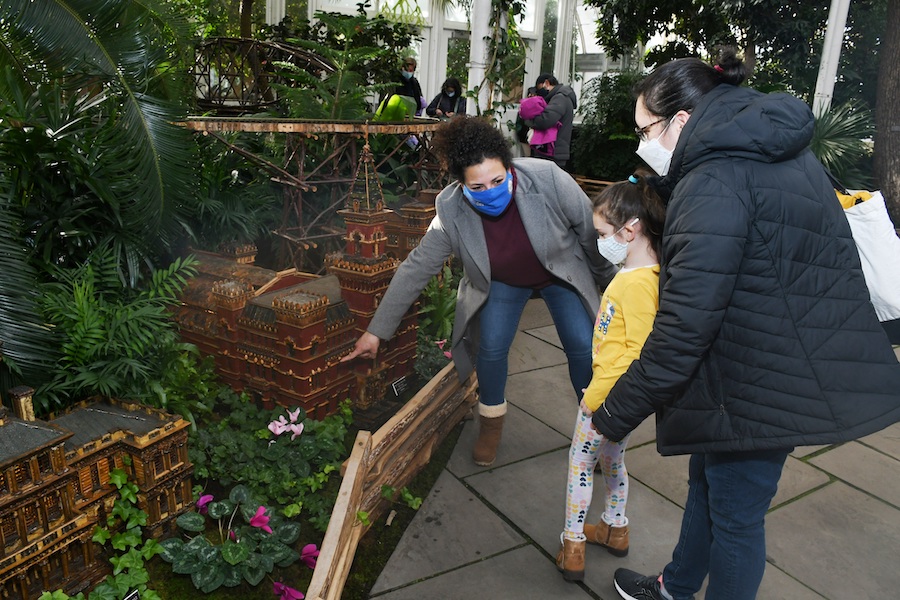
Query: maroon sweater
<point>511,254</point>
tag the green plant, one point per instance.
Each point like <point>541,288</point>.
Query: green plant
<point>436,315</point>
<point>288,472</point>
<point>124,533</point>
<point>604,144</point>
<point>91,153</point>
<point>842,142</point>
<point>431,355</point>
<point>390,493</point>
<point>439,304</point>
<point>112,340</point>
<point>505,66</point>
<point>245,543</point>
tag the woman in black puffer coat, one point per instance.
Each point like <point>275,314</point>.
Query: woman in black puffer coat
<point>765,337</point>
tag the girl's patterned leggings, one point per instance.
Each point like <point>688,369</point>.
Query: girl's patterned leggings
<point>587,448</point>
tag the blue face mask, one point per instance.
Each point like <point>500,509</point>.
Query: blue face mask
<point>406,74</point>
<point>494,201</point>
<point>450,94</point>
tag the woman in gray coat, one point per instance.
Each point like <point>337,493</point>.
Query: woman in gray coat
<point>518,227</point>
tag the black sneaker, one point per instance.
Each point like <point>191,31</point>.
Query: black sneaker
<point>634,586</point>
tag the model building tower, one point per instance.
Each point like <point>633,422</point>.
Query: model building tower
<point>280,336</point>
<point>365,270</point>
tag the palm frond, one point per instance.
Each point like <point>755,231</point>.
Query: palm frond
<point>26,348</point>
<point>110,47</point>
<point>841,142</point>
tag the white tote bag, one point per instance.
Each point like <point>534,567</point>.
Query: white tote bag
<point>879,251</point>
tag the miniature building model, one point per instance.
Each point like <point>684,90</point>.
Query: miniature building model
<point>280,336</point>
<point>54,487</point>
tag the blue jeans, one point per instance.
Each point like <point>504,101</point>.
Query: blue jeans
<point>499,322</point>
<point>723,529</point>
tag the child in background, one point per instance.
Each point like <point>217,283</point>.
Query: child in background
<point>541,141</point>
<point>629,217</point>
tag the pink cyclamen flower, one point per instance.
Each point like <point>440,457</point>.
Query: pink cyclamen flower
<point>261,520</point>
<point>281,425</point>
<point>309,554</point>
<point>231,535</point>
<point>286,593</point>
<point>202,503</point>
<point>440,344</point>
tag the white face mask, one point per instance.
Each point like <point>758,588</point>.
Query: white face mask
<point>612,249</point>
<point>655,155</point>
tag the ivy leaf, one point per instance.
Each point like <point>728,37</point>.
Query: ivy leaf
<point>103,592</point>
<point>150,549</point>
<point>101,535</point>
<point>128,539</point>
<point>129,560</point>
<point>118,477</point>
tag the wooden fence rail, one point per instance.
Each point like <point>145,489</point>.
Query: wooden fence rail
<point>391,456</point>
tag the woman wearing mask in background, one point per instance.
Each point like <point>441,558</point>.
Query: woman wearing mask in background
<point>765,337</point>
<point>449,102</point>
<point>518,227</point>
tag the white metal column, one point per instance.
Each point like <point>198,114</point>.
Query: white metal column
<point>565,31</point>
<point>480,26</point>
<point>831,54</point>
<point>275,11</point>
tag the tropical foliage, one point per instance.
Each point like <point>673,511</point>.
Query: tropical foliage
<point>842,141</point>
<point>90,153</point>
<point>112,340</point>
<point>604,144</point>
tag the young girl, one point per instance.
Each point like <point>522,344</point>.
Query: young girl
<point>629,218</point>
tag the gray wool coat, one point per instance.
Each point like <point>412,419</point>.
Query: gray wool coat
<point>557,217</point>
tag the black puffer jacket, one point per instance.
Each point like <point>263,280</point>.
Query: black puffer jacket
<point>765,336</point>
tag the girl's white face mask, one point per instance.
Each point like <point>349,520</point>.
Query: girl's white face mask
<point>655,155</point>
<point>612,249</point>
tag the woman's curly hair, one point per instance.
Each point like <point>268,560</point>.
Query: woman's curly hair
<point>465,141</point>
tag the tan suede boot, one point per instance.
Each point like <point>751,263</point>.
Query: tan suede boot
<point>490,428</point>
<point>570,560</point>
<point>614,539</point>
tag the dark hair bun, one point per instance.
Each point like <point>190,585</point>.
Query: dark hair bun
<point>730,66</point>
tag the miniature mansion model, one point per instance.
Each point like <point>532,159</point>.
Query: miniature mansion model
<point>54,487</point>
<point>279,336</point>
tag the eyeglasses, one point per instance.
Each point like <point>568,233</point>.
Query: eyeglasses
<point>642,132</point>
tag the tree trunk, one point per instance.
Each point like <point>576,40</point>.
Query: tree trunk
<point>887,115</point>
<point>246,18</point>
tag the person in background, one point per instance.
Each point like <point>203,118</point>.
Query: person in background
<point>629,219</point>
<point>765,338</point>
<point>541,142</point>
<point>448,102</point>
<point>408,85</point>
<point>561,105</point>
<point>518,227</point>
